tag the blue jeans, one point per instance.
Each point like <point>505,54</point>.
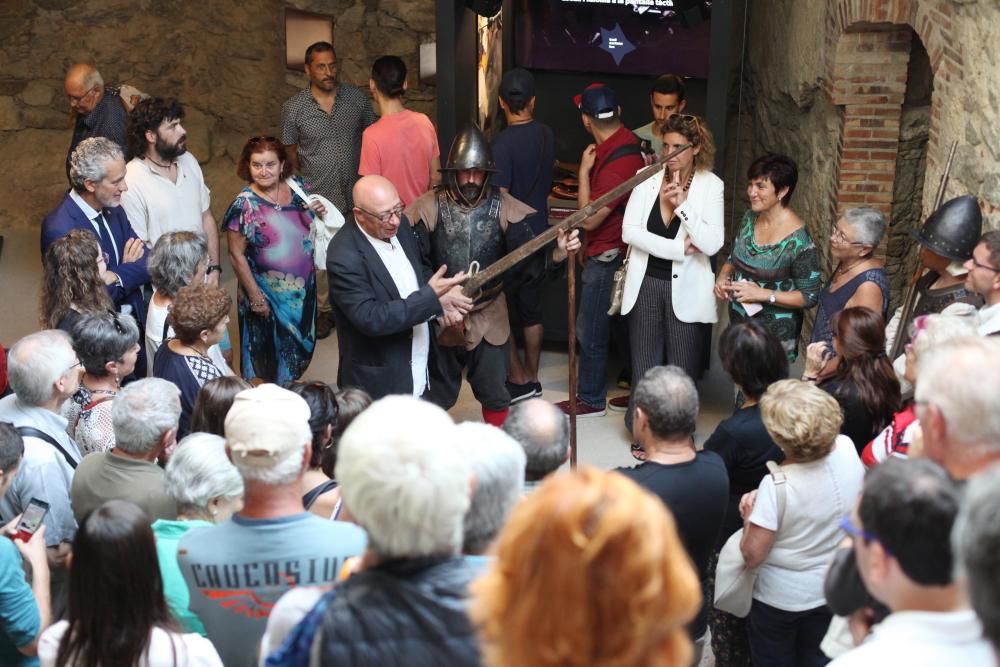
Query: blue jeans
<point>593,328</point>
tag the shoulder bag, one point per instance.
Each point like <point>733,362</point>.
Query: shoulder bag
<point>734,581</point>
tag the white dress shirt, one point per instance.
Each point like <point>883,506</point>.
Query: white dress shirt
<point>92,215</point>
<point>405,278</point>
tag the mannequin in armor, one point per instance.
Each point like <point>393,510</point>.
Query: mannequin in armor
<point>946,241</point>
<point>467,224</point>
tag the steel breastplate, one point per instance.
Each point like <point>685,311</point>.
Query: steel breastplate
<point>462,236</point>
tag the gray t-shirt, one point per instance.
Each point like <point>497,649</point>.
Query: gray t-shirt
<point>236,571</point>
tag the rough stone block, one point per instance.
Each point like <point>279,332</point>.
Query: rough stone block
<point>9,117</point>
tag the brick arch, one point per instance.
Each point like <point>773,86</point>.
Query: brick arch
<point>869,46</point>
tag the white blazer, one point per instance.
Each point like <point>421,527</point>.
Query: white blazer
<point>702,221</point>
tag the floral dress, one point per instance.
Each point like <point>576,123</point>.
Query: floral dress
<point>789,265</point>
<point>277,348</point>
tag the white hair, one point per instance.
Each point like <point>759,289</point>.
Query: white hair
<point>962,378</point>
<point>940,327</point>
<point>497,462</point>
<point>199,471</point>
<point>868,225</point>
<point>281,472</point>
<point>404,478</point>
<point>89,161</point>
<point>142,412</point>
<point>975,540</point>
<point>37,362</point>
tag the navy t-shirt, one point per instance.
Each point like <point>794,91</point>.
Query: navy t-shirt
<point>525,156</point>
<point>696,493</point>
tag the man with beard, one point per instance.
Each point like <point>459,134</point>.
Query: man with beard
<point>321,128</point>
<point>468,221</point>
<point>166,189</point>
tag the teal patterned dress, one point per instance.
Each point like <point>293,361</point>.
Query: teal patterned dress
<point>789,265</point>
<point>277,348</point>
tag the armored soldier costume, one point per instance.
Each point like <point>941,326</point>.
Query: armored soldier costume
<point>466,227</point>
<point>951,232</point>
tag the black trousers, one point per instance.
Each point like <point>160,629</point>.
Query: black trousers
<point>781,638</point>
<point>487,373</point>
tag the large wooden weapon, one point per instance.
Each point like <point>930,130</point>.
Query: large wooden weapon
<point>474,283</point>
<point>910,296</point>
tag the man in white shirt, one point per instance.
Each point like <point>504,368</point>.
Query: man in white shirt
<point>383,295</point>
<point>166,189</point>
<point>983,278</point>
<point>901,529</point>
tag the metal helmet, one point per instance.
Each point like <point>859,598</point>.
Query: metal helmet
<point>469,150</point>
<point>953,230</point>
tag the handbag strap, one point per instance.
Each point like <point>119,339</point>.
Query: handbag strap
<point>32,432</point>
<point>780,489</point>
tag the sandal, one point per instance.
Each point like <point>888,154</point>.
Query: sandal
<point>638,453</point>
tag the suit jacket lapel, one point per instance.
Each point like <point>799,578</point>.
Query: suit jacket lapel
<point>371,257</point>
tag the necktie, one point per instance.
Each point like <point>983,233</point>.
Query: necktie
<point>106,243</point>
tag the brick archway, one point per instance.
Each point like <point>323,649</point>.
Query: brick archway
<point>869,43</point>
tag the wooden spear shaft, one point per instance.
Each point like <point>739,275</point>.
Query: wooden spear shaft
<point>474,283</point>
<point>571,334</point>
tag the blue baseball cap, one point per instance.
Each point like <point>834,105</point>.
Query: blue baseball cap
<point>597,101</point>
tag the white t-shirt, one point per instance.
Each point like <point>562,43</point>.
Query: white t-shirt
<point>156,317</point>
<point>191,650</point>
<point>923,639</point>
<point>818,494</point>
<point>155,205</point>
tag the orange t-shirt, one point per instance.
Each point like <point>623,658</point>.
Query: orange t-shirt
<point>400,147</point>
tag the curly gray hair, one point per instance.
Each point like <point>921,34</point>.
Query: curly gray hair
<point>89,161</point>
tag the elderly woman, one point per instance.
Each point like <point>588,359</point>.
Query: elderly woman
<point>754,359</point>
<point>178,259</point>
<point>73,281</point>
<point>858,278</point>
<point>823,476</point>
<point>207,489</point>
<point>199,318</point>
<point>107,345</point>
<point>863,381</point>
<point>927,331</point>
<point>542,602</point>
<point>772,273</point>
<point>673,224</point>
<point>268,230</point>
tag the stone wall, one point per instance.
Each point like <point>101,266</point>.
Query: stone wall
<point>808,63</point>
<point>223,59</point>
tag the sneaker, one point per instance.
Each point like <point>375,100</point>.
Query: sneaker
<point>521,392</point>
<point>324,325</point>
<point>582,409</point>
<point>619,404</point>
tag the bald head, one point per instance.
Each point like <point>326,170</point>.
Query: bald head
<point>377,207</point>
<point>84,87</point>
<point>543,431</point>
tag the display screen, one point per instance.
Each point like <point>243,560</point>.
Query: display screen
<point>32,517</point>
<point>639,37</point>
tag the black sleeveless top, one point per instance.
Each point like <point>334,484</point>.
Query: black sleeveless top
<point>657,267</point>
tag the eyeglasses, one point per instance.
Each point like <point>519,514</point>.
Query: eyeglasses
<point>841,239</point>
<point>117,323</point>
<point>103,257</point>
<point>395,211</point>
<point>80,98</point>
<point>78,364</point>
<point>848,527</point>
<point>982,266</point>
<point>685,117</point>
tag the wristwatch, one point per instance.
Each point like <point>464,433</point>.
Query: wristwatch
<point>774,296</point>
<point>213,267</point>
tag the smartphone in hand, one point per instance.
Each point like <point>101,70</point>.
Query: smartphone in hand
<point>31,519</point>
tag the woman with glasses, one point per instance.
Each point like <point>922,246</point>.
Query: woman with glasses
<point>73,282</point>
<point>772,273</point>
<point>673,223</point>
<point>107,345</point>
<point>858,279</point>
<point>268,230</point>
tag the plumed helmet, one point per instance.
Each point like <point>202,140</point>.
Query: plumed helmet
<point>470,150</point>
<point>953,230</point>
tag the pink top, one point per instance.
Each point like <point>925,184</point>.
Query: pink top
<point>400,147</point>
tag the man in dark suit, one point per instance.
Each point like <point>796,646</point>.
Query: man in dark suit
<point>384,293</point>
<point>97,173</point>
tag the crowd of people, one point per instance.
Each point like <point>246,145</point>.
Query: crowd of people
<point>159,509</point>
